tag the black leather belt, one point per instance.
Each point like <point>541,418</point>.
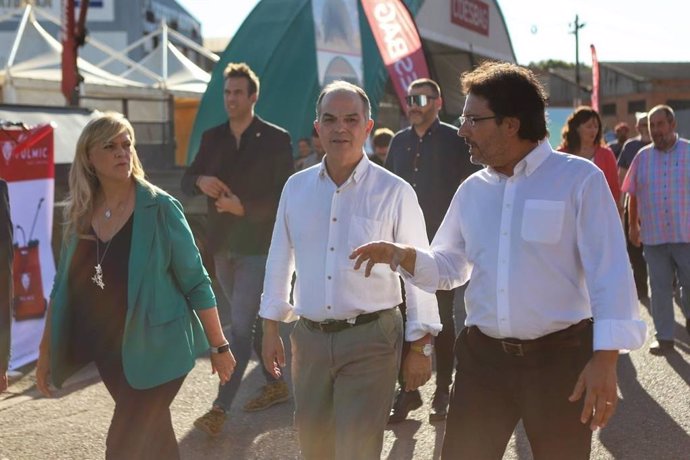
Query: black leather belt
<point>337,325</point>
<point>566,338</point>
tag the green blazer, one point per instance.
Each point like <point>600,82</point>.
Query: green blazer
<point>166,283</point>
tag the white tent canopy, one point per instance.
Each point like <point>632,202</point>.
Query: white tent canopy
<point>175,71</point>
<point>32,74</point>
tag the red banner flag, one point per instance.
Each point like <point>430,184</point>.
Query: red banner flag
<point>595,79</point>
<point>399,44</point>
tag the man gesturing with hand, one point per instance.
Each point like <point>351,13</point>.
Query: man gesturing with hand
<point>549,303</point>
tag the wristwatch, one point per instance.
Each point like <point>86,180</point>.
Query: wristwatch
<point>426,349</point>
<point>221,349</point>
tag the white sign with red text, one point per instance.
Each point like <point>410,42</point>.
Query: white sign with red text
<point>27,164</point>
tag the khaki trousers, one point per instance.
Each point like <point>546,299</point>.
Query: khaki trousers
<point>344,384</point>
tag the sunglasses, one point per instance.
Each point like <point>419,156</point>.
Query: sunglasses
<point>420,100</point>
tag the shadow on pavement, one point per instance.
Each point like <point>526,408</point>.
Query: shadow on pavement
<point>404,444</point>
<point>248,435</point>
<point>641,428</point>
<point>25,386</point>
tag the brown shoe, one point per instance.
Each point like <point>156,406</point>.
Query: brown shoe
<point>272,393</point>
<point>211,422</point>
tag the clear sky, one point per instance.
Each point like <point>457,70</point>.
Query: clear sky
<point>621,30</point>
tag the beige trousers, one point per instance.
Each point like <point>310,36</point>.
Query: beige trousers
<point>344,384</point>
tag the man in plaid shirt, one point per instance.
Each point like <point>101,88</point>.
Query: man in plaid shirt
<point>658,183</point>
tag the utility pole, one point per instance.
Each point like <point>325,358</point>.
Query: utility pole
<point>576,28</point>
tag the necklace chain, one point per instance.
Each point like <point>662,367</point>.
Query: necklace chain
<point>97,277</point>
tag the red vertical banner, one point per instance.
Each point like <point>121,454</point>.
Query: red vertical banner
<point>398,41</point>
<point>595,78</point>
<point>70,78</point>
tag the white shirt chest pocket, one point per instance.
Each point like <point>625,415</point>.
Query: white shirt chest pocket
<point>363,230</point>
<point>542,221</point>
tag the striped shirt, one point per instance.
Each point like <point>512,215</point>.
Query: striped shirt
<point>661,182</point>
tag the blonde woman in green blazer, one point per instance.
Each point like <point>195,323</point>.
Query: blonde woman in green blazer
<point>130,294</point>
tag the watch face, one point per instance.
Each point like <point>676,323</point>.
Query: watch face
<point>427,349</point>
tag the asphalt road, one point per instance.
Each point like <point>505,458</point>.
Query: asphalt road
<point>652,421</point>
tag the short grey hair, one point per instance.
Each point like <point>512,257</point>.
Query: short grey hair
<point>344,86</point>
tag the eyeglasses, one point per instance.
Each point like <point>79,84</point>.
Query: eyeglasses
<point>473,120</point>
<point>420,100</point>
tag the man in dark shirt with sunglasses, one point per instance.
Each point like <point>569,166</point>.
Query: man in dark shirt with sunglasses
<point>434,160</point>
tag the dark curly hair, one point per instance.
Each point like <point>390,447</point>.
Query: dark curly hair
<point>511,91</point>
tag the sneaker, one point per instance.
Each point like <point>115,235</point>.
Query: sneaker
<point>211,422</point>
<point>272,393</point>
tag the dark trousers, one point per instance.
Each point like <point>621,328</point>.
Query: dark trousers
<point>141,427</point>
<point>443,343</point>
<point>494,390</point>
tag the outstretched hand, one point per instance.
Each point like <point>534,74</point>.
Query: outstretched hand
<point>378,252</point>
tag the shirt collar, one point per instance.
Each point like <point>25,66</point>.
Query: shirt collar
<point>429,130</point>
<point>356,176</point>
<point>529,163</point>
<point>251,129</point>
<point>672,148</point>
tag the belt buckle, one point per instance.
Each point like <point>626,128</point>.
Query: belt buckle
<point>514,349</point>
<point>333,325</point>
<point>324,325</point>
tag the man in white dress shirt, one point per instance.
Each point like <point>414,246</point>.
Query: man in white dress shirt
<point>346,345</point>
<point>539,237</point>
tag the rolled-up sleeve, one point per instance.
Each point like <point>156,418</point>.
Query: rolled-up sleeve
<point>280,265</point>
<point>610,283</point>
<point>422,307</point>
<point>445,265</point>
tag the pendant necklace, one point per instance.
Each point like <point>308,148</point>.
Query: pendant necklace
<point>97,277</point>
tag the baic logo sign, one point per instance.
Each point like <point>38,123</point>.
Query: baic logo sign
<point>470,14</point>
<point>399,44</point>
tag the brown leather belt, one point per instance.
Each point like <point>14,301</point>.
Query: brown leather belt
<point>337,325</point>
<point>565,338</point>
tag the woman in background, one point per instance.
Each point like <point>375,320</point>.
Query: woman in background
<point>130,294</point>
<point>581,136</point>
